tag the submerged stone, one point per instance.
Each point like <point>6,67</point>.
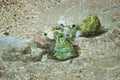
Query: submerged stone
<point>63,49</point>
<point>90,25</point>
<point>35,54</point>
<point>13,49</point>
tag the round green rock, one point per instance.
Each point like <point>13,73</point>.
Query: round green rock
<point>90,25</point>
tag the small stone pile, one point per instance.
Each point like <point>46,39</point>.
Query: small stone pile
<point>63,35</point>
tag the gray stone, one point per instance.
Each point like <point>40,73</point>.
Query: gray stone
<point>13,49</point>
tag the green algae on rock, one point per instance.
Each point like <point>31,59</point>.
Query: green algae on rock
<point>90,25</point>
<point>63,49</point>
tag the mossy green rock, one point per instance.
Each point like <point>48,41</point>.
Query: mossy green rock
<point>90,25</point>
<point>64,49</point>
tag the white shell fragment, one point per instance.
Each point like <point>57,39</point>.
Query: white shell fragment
<point>50,35</point>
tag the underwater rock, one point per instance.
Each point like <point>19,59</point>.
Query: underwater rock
<point>13,49</point>
<point>35,54</point>
<point>63,49</point>
<point>41,40</point>
<point>90,25</point>
<point>44,43</point>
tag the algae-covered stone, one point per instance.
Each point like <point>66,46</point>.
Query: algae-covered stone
<point>90,25</point>
<point>63,49</point>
